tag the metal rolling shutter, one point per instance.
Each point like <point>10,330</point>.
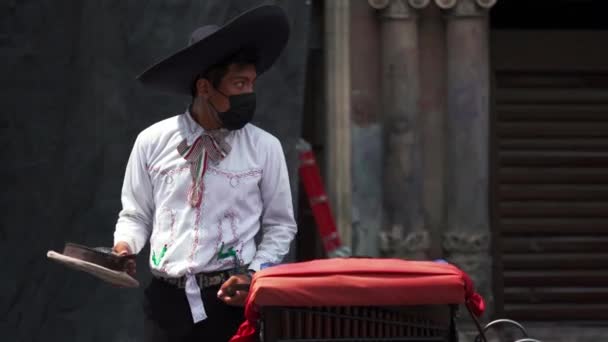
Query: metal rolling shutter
<point>551,190</point>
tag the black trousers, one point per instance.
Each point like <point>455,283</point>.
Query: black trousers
<point>168,318</point>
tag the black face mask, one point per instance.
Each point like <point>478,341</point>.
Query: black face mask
<point>242,108</point>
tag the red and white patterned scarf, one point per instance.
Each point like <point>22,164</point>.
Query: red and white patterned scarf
<point>210,146</point>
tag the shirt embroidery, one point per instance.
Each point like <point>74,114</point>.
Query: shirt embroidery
<point>229,253</point>
<point>168,174</point>
<point>222,255</point>
<point>235,178</point>
<point>162,226</point>
<point>155,260</point>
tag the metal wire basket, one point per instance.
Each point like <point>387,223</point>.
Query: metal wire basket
<point>366,323</point>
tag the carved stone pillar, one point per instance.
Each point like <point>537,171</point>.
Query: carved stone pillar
<point>337,62</point>
<point>467,237</point>
<point>404,232</point>
<point>367,138</point>
<point>431,32</point>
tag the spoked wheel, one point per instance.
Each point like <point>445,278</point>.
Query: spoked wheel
<point>482,338</point>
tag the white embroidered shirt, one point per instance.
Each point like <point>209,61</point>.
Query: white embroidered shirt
<point>243,193</point>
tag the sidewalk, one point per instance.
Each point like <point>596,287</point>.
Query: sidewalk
<point>545,332</point>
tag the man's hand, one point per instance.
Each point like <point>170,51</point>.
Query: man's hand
<point>122,248</point>
<point>231,297</point>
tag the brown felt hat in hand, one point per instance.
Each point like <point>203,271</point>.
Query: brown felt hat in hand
<point>99,262</point>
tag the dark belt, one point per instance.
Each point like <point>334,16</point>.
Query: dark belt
<point>207,279</point>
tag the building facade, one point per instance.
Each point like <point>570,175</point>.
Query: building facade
<point>474,131</point>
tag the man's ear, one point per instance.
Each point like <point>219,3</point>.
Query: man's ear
<point>203,88</point>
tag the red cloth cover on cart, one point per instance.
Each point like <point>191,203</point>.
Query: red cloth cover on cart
<point>357,282</point>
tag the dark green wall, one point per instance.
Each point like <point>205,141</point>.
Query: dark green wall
<point>70,111</point>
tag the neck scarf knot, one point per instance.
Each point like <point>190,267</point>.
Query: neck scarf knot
<point>210,145</point>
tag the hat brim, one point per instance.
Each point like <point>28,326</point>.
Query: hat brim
<point>105,274</point>
<point>264,29</point>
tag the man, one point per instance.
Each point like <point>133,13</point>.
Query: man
<point>200,185</point>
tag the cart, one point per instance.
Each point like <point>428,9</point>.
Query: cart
<point>361,299</point>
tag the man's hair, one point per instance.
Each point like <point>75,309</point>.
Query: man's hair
<point>216,73</point>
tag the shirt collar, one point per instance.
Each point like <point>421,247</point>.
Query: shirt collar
<point>193,129</point>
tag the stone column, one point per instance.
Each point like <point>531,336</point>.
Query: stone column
<point>367,149</point>
<point>338,163</point>
<point>404,233</point>
<point>467,237</point>
<point>432,115</point>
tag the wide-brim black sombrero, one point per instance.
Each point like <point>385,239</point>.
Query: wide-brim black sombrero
<point>262,30</point>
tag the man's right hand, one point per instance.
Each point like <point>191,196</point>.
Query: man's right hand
<point>122,248</point>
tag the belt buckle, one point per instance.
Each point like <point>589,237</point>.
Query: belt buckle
<point>215,280</point>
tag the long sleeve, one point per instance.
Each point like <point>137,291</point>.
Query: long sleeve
<point>135,218</point>
<point>278,224</point>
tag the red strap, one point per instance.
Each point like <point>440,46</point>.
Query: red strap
<point>473,300</point>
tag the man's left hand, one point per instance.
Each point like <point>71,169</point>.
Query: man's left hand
<point>231,297</point>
